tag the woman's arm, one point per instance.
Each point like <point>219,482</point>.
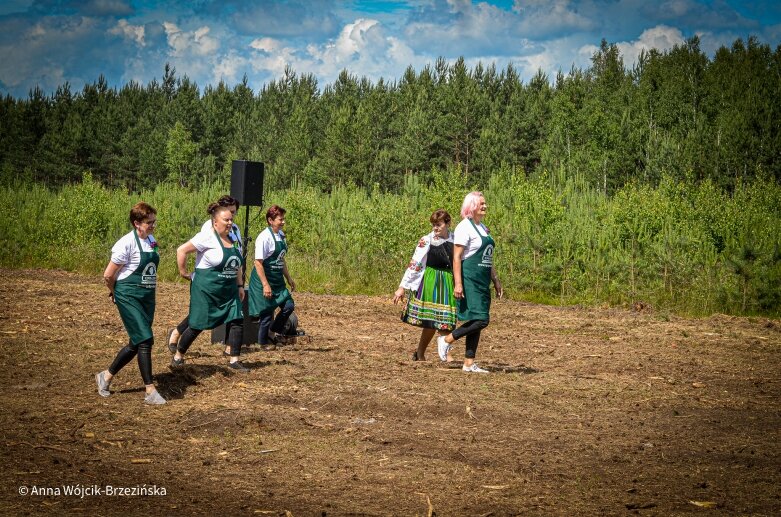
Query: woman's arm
<point>240,283</point>
<point>458,288</point>
<point>413,275</point>
<point>497,284</point>
<point>181,259</point>
<point>110,277</point>
<point>289,278</point>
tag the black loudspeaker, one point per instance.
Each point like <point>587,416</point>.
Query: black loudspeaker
<point>250,327</point>
<point>247,182</point>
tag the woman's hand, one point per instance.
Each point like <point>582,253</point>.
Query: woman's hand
<point>292,284</point>
<point>458,291</point>
<point>181,259</point>
<point>498,287</point>
<point>267,291</point>
<point>397,295</point>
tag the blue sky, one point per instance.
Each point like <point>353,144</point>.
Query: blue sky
<point>49,42</point>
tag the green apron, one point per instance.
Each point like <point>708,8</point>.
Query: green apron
<point>273,266</point>
<point>476,278</point>
<point>214,294</point>
<point>135,296</point>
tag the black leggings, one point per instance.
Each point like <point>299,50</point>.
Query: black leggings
<point>144,352</point>
<point>471,329</point>
<point>180,328</point>
<point>233,329</point>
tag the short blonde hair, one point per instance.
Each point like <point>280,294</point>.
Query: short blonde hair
<point>470,204</point>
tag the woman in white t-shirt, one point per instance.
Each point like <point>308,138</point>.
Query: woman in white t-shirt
<point>216,289</point>
<point>234,234</point>
<point>473,273</point>
<point>267,289</point>
<point>131,278</point>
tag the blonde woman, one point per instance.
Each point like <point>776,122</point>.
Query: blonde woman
<point>473,272</point>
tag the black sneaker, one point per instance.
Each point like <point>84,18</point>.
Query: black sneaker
<point>238,367</point>
<point>176,363</point>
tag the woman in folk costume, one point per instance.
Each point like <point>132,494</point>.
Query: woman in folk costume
<point>267,289</point>
<point>431,303</point>
<point>217,286</point>
<point>473,272</point>
<point>131,278</point>
<point>235,236</point>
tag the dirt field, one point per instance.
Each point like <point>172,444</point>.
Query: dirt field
<point>587,411</point>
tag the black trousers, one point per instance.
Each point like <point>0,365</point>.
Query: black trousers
<point>233,329</point>
<point>144,352</point>
<point>471,330</point>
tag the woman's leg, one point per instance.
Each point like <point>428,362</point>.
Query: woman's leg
<point>145,363</point>
<point>177,332</point>
<point>263,327</point>
<point>469,328</point>
<point>235,332</point>
<point>143,351</point>
<point>472,340</point>
<point>282,316</point>
<point>188,336</point>
<point>425,338</point>
<point>124,356</point>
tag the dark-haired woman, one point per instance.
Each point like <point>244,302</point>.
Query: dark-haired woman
<point>473,272</point>
<point>216,289</point>
<point>267,289</point>
<point>234,234</point>
<point>429,281</point>
<point>131,278</point>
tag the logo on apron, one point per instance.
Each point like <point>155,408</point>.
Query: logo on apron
<point>149,276</point>
<point>231,269</point>
<point>280,260</point>
<point>488,256</point>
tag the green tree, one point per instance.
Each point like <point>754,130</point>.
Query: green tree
<point>180,152</point>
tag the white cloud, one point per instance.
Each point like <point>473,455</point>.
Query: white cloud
<point>230,68</point>
<point>131,32</point>
<point>466,29</point>
<point>266,44</point>
<point>660,37</point>
<point>363,47</point>
<point>36,31</point>
<point>554,56</point>
<point>106,8</point>
<point>542,17</point>
<point>196,42</point>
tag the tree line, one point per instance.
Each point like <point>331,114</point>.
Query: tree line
<point>676,114</point>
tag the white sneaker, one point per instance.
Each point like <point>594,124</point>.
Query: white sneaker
<point>474,369</point>
<point>154,398</point>
<point>443,347</point>
<point>103,385</point>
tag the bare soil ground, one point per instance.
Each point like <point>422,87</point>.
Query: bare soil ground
<point>587,411</point>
